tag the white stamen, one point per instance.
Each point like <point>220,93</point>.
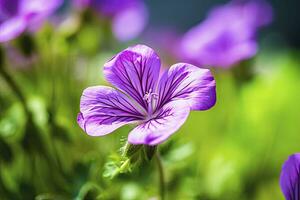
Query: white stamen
<point>150,97</point>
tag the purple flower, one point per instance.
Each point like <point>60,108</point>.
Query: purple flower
<point>227,35</point>
<point>158,104</point>
<point>129,23</point>
<point>290,178</point>
<point>17,15</point>
<point>129,17</point>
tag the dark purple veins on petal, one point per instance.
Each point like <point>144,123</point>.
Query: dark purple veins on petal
<point>159,106</point>
<point>104,105</point>
<point>161,125</point>
<point>290,178</point>
<point>187,82</point>
<point>134,71</point>
<point>168,87</point>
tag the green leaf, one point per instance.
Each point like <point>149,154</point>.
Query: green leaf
<point>111,169</point>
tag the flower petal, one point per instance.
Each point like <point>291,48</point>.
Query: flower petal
<point>155,131</point>
<point>227,35</point>
<point>134,71</point>
<point>37,11</point>
<point>187,82</point>
<point>40,7</point>
<point>104,109</point>
<point>12,28</point>
<point>290,178</point>
<point>8,8</point>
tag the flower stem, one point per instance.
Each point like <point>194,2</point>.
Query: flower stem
<point>124,165</point>
<point>15,88</point>
<point>121,169</point>
<point>161,175</point>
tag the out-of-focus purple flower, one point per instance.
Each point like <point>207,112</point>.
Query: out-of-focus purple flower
<point>129,17</point>
<point>17,15</point>
<point>227,35</point>
<point>158,104</point>
<point>290,178</point>
<point>130,23</point>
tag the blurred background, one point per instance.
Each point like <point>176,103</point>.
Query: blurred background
<point>50,51</point>
<point>182,15</point>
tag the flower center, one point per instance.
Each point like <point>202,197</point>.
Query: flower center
<point>151,98</point>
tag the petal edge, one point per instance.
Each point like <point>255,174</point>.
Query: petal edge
<point>134,71</point>
<point>104,109</point>
<point>155,131</point>
<point>188,82</point>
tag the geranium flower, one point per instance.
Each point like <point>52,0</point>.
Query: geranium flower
<point>129,17</point>
<point>17,15</point>
<point>159,105</point>
<point>290,178</point>
<point>228,35</point>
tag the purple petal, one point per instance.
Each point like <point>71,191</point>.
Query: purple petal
<point>223,45</point>
<point>104,109</point>
<point>290,178</point>
<point>8,8</point>
<point>227,36</point>
<point>170,118</point>
<point>255,13</point>
<point>189,83</point>
<point>12,28</point>
<point>42,7</point>
<point>25,13</point>
<point>134,71</point>
<point>129,23</point>
<point>36,11</point>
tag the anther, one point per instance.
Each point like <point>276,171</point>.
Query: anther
<point>149,96</point>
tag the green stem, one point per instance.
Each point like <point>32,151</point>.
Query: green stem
<point>124,165</point>
<point>121,168</point>
<point>161,175</point>
<point>125,149</point>
<point>15,88</point>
